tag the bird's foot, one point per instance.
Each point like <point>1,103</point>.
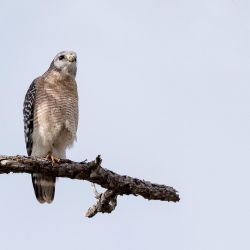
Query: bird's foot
<point>53,158</point>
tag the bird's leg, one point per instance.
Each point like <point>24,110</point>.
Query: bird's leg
<point>53,158</point>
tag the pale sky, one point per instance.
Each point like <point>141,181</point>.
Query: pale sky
<point>164,96</point>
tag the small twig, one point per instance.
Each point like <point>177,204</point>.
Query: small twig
<point>97,195</point>
<point>106,203</point>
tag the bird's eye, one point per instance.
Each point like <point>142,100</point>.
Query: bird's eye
<point>60,57</point>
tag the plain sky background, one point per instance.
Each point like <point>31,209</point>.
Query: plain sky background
<point>164,96</point>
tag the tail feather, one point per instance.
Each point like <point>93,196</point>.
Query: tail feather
<point>44,187</point>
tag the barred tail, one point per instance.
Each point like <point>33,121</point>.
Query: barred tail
<point>44,187</point>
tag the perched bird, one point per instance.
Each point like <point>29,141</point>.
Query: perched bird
<point>50,114</point>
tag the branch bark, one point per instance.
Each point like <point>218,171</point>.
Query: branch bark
<point>91,171</point>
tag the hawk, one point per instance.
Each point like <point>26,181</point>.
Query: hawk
<point>50,114</point>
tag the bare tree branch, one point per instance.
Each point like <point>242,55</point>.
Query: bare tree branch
<point>91,171</point>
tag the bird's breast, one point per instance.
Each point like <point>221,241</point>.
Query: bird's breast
<point>56,110</point>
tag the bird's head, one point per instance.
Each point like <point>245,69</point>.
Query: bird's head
<point>65,63</point>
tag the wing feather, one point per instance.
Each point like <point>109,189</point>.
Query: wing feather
<point>28,116</point>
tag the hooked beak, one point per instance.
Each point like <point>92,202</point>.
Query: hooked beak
<point>72,58</point>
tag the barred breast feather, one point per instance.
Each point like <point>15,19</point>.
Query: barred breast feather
<point>55,115</point>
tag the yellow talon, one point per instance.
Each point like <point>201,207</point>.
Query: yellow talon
<point>53,158</point>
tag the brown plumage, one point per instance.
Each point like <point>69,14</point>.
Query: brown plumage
<point>51,117</point>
